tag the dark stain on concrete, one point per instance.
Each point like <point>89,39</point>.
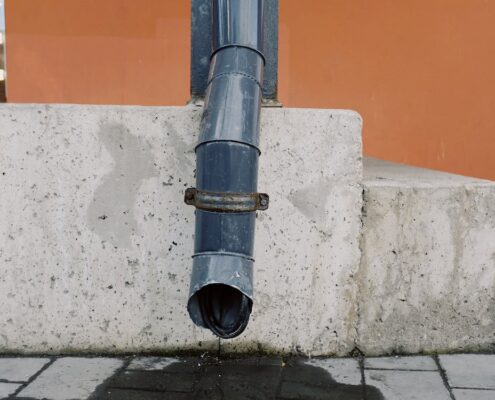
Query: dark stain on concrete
<point>234,379</point>
<point>111,212</point>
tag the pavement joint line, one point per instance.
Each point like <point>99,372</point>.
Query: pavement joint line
<point>400,369</point>
<point>149,390</point>
<point>443,374</point>
<point>360,361</point>
<point>278,389</point>
<point>473,388</point>
<point>34,377</point>
<point>102,387</point>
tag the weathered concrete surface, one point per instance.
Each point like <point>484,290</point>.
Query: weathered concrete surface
<point>95,240</point>
<point>307,244</point>
<point>427,276</point>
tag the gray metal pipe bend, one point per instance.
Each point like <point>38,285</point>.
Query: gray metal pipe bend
<point>226,198</point>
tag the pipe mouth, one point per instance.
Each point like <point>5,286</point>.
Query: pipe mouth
<point>224,309</point>
<point>221,294</point>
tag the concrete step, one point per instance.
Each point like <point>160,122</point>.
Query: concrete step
<point>427,276</point>
<point>95,240</point>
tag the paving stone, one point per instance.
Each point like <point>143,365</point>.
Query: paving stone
<point>20,369</point>
<point>343,370</point>
<point>408,385</point>
<point>470,370</point>
<point>398,363</point>
<point>155,381</point>
<point>152,363</point>
<point>473,394</point>
<point>183,365</point>
<point>299,390</point>
<point>71,378</point>
<point>7,389</point>
<point>249,371</point>
<point>122,394</point>
<point>324,379</point>
<point>240,379</point>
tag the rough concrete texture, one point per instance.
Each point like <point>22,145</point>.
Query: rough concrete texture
<point>95,240</point>
<point>307,243</point>
<point>427,276</point>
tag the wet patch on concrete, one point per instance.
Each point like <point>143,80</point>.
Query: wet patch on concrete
<point>111,213</point>
<point>311,200</point>
<point>233,379</point>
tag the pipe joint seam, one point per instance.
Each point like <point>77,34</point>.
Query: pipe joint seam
<point>202,142</point>
<point>234,73</point>
<point>222,254</point>
<point>241,46</point>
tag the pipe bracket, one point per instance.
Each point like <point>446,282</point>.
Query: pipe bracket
<point>225,201</point>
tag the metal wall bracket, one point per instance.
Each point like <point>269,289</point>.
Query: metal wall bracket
<point>226,202</point>
<point>201,49</point>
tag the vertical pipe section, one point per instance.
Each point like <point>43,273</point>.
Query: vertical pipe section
<point>221,292</point>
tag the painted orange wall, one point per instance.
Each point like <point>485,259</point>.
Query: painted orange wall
<point>98,51</point>
<point>420,72</point>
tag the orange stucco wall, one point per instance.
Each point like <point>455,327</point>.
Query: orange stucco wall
<point>98,51</point>
<point>420,72</point>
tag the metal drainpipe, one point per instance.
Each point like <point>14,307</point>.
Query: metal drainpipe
<point>225,197</point>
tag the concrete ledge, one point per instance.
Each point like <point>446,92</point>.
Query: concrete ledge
<point>95,240</point>
<point>427,276</point>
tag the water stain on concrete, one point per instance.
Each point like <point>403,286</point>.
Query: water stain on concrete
<point>111,212</point>
<point>311,200</point>
<point>235,379</point>
<point>183,151</point>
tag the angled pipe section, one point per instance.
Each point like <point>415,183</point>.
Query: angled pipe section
<point>225,197</point>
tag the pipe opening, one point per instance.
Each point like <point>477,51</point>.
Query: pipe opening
<point>225,310</point>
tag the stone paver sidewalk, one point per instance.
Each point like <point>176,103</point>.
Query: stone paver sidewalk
<point>449,377</point>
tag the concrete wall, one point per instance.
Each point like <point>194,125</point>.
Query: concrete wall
<point>427,276</point>
<point>95,240</point>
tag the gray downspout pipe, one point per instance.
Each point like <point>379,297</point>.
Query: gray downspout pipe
<point>225,197</point>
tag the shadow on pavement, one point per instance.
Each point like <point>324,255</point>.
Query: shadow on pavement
<point>234,379</point>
